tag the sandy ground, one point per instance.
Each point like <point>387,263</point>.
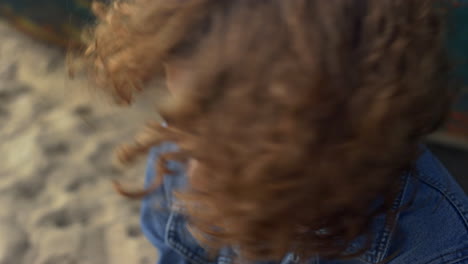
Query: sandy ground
<point>58,206</point>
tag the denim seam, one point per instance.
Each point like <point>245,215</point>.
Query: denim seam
<point>454,261</point>
<point>384,244</point>
<point>450,197</point>
<point>179,247</point>
<point>376,254</point>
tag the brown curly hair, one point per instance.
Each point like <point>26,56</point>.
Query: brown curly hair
<point>299,113</point>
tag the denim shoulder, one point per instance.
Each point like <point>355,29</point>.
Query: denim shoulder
<point>163,224</point>
<point>434,229</point>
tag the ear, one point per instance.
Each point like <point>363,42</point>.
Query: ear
<point>171,75</point>
<point>177,75</point>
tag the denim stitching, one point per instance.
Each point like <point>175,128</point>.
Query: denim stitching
<point>429,180</point>
<point>385,242</point>
<point>454,261</point>
<point>173,241</point>
<point>450,196</point>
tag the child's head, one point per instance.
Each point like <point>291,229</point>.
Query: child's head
<point>299,113</point>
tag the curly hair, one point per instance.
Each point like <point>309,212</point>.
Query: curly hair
<point>299,113</point>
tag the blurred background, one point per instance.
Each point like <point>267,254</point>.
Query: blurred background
<point>56,140</point>
<point>57,136</point>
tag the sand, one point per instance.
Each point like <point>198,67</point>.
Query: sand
<point>56,142</point>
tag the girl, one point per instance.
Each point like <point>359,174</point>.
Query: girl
<point>293,131</point>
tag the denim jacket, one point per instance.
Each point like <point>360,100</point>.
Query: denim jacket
<point>433,230</point>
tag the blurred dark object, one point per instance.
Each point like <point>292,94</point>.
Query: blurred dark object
<point>456,130</point>
<point>58,22</point>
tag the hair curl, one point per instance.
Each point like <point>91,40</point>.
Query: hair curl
<point>300,113</point>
